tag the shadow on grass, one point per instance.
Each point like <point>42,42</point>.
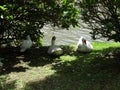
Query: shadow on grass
<point>99,70</point>
<point>10,85</point>
<point>38,56</point>
<point>34,57</point>
<point>7,86</point>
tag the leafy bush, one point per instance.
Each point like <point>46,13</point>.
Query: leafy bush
<point>20,18</point>
<point>103,16</point>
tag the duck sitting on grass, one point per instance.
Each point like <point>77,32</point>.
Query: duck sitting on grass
<point>54,49</point>
<point>84,45</point>
<point>26,44</point>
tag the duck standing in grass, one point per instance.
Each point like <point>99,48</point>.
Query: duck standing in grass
<point>54,49</point>
<point>26,44</point>
<point>84,45</point>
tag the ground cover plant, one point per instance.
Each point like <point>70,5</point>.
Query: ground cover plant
<point>36,70</point>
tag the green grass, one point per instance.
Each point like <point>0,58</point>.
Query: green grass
<point>36,70</point>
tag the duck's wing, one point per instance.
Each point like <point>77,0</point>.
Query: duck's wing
<point>80,41</point>
<point>50,50</point>
<point>53,49</point>
<point>81,47</point>
<point>23,44</point>
<point>89,45</point>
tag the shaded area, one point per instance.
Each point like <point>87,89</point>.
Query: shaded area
<point>99,70</point>
<point>7,86</point>
<point>34,57</point>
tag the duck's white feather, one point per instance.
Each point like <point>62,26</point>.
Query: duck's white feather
<point>84,47</point>
<point>26,44</point>
<point>54,49</point>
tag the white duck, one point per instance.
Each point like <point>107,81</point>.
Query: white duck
<point>26,44</point>
<point>83,45</point>
<point>54,49</point>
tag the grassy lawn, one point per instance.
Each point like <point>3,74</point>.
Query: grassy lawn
<point>36,70</point>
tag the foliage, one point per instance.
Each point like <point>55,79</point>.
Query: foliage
<point>103,16</point>
<point>20,18</point>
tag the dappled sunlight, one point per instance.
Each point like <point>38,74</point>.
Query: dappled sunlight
<point>55,82</point>
<point>36,70</point>
<point>103,58</point>
<point>65,58</point>
<point>18,80</point>
<point>98,67</point>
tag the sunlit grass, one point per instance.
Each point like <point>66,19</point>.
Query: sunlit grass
<point>68,58</point>
<point>104,45</point>
<point>98,70</point>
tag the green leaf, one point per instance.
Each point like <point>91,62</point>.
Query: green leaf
<point>65,13</point>
<point>10,17</point>
<point>3,8</point>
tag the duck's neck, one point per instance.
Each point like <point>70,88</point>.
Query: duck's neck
<point>53,42</point>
